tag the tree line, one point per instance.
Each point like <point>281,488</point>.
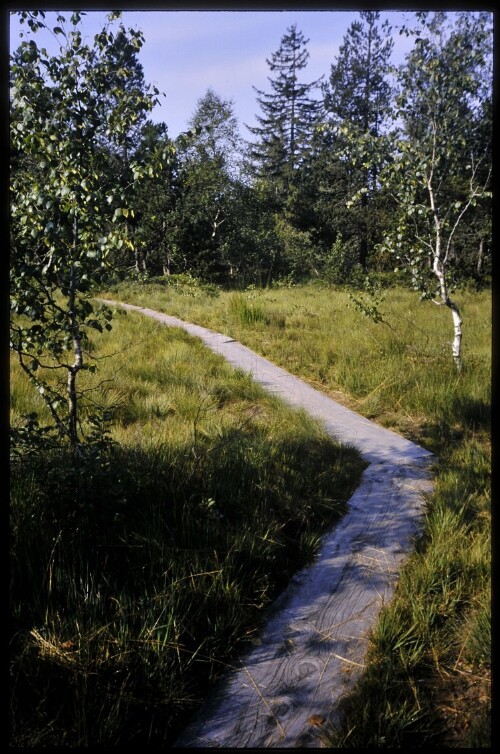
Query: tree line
<point>374,167</point>
<point>335,168</point>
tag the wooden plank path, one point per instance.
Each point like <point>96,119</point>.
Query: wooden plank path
<point>313,646</point>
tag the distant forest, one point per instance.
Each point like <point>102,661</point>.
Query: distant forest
<point>365,169</point>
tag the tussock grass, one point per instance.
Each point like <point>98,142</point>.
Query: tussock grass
<point>140,572</point>
<point>428,679</point>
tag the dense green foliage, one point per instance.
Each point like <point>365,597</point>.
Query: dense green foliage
<point>441,169</point>
<point>290,113</point>
<point>359,103</point>
<point>378,168</point>
<point>72,115</point>
<point>347,163</point>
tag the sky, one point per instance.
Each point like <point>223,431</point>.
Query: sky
<point>187,52</point>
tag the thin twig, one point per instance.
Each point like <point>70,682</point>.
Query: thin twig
<point>265,701</point>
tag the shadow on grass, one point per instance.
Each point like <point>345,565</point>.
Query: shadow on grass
<point>450,425</point>
<point>471,412</point>
<point>136,576</point>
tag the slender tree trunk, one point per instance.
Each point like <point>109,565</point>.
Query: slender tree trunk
<point>165,246</point>
<point>363,243</point>
<point>456,345</point>
<point>270,271</point>
<point>216,222</point>
<point>77,352</point>
<point>439,268</point>
<point>480,254</point>
<point>167,261</point>
<point>140,260</point>
<point>72,408</point>
<point>457,329</point>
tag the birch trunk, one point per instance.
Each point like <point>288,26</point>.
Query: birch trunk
<point>439,268</point>
<point>166,246</point>
<point>457,329</point>
<point>77,353</point>
<point>72,393</point>
<point>456,345</point>
<point>479,267</point>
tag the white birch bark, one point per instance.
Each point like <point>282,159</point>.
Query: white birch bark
<point>77,351</point>
<point>439,265</point>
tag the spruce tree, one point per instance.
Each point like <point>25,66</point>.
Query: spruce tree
<point>358,103</point>
<point>289,112</point>
<point>359,92</point>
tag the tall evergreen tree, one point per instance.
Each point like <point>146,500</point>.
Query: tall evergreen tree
<point>358,91</point>
<point>289,112</point>
<point>358,101</point>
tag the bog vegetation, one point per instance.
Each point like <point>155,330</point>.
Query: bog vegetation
<point>160,500</point>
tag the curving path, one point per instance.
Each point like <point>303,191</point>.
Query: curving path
<point>312,648</point>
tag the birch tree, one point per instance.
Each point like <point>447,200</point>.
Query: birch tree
<point>441,167</point>
<point>209,157</point>
<point>67,211</point>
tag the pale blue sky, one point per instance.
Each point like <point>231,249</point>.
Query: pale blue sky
<point>186,52</point>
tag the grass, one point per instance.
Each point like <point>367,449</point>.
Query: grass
<point>139,573</point>
<point>410,382</point>
<point>428,680</point>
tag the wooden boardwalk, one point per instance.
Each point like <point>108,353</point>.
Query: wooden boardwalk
<point>313,646</point>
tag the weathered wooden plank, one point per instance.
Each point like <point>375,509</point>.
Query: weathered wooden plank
<point>312,648</point>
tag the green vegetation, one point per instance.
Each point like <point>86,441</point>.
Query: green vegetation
<point>140,571</point>
<point>407,380</point>
<point>430,653</point>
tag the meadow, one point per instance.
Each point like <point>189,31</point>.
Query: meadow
<point>139,576</point>
<point>142,570</point>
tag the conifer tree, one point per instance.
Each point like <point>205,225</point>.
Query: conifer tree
<point>289,112</point>
<point>358,102</point>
